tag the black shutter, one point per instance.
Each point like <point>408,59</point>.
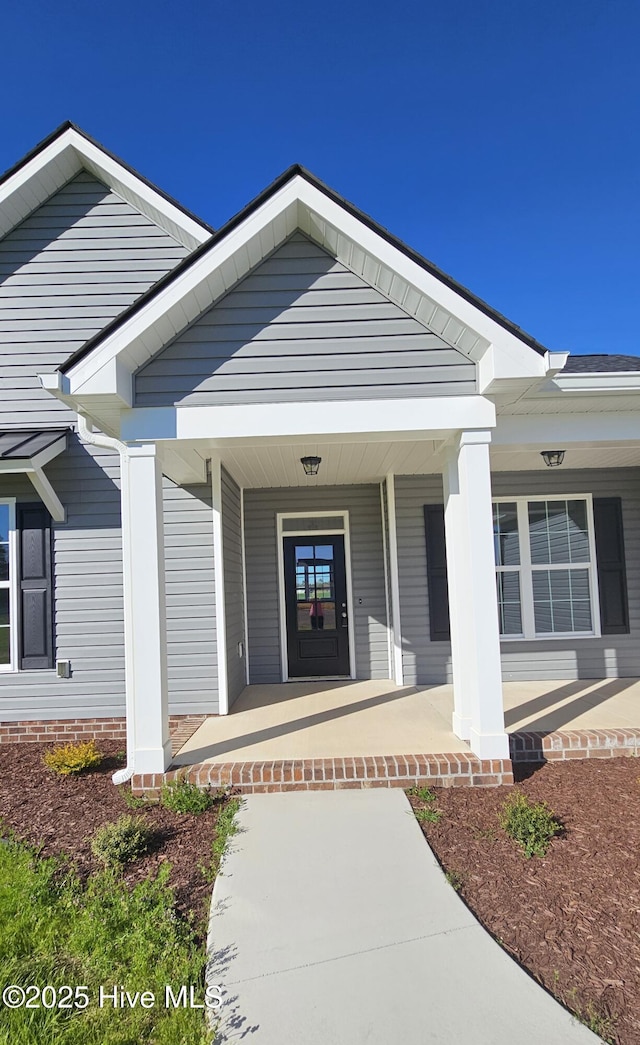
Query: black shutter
<point>612,574</point>
<point>437,573</point>
<point>35,586</point>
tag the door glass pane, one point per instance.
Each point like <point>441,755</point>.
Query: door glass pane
<point>315,587</point>
<point>4,562</point>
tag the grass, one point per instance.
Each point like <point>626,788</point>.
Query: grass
<point>226,827</point>
<point>57,931</point>
<point>425,814</point>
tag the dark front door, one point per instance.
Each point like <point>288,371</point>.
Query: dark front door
<point>316,606</point>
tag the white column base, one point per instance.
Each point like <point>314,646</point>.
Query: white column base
<point>153,760</point>
<point>489,745</point>
<point>461,726</point>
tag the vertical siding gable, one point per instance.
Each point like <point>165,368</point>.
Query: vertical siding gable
<point>73,265</point>
<point>302,326</point>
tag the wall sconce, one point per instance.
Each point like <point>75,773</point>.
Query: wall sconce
<point>553,458</point>
<point>310,465</point>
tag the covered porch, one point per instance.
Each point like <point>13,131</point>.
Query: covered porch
<point>338,720</point>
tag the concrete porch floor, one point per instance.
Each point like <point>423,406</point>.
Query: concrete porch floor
<point>307,720</point>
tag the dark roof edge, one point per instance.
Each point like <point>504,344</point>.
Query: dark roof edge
<point>68,125</point>
<point>253,205</point>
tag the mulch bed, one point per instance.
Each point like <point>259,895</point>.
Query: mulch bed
<point>572,918</point>
<point>60,814</point>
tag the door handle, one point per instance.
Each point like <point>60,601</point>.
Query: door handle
<point>344,615</point>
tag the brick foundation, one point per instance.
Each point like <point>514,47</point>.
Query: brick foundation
<point>332,774</point>
<point>63,730</point>
<point>574,743</point>
<point>74,730</point>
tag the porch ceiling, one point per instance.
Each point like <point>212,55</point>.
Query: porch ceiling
<point>345,460</point>
<point>278,465</point>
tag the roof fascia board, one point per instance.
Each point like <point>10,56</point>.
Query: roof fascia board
<point>533,430</point>
<point>606,381</point>
<point>61,158</point>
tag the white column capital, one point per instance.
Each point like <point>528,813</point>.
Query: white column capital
<point>474,437</point>
<point>142,449</point>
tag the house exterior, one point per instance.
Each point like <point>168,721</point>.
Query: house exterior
<point>288,449</point>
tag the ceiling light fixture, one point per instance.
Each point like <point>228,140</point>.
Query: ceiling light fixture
<point>310,465</point>
<point>553,458</point>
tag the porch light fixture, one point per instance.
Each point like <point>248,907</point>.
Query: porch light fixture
<point>553,458</point>
<point>310,465</point>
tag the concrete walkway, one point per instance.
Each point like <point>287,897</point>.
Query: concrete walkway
<point>332,924</point>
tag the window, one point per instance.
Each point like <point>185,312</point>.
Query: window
<point>7,586</point>
<point>545,567</point>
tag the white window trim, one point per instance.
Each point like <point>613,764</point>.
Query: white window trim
<point>331,530</point>
<point>12,585</point>
<point>525,570</point>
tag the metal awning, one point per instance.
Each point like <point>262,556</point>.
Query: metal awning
<point>28,451</point>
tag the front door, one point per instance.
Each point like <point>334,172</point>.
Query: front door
<point>315,590</point>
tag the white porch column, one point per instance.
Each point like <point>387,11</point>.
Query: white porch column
<point>145,609</point>
<point>478,715</point>
<point>396,627</point>
<point>218,566</point>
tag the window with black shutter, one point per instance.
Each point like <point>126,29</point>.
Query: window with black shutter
<point>34,587</point>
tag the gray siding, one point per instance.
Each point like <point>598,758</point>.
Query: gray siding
<point>88,602</point>
<point>367,564</point>
<point>191,614</point>
<point>79,260</point>
<point>302,327</point>
<point>233,585</point>
<point>609,657</point>
<point>88,593</point>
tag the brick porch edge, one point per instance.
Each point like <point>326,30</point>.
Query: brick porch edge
<point>574,743</point>
<point>449,770</point>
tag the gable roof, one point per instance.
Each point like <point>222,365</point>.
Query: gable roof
<point>293,172</point>
<point>64,154</point>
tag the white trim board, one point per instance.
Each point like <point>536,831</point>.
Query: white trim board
<point>65,156</point>
<point>282,610</point>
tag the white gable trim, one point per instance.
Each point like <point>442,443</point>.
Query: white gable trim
<point>67,155</point>
<point>300,205</point>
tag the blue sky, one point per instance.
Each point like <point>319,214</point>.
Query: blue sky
<point>500,138</point>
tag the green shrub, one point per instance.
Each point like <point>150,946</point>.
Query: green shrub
<point>531,824</point>
<point>73,758</point>
<point>182,796</point>
<point>130,800</point>
<point>120,843</point>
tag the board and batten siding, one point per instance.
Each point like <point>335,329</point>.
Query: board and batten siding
<point>367,571</point>
<point>191,612</point>
<point>302,327</point>
<point>608,657</point>
<point>69,268</point>
<point>233,585</point>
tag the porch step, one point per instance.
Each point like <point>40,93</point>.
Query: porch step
<point>324,774</point>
